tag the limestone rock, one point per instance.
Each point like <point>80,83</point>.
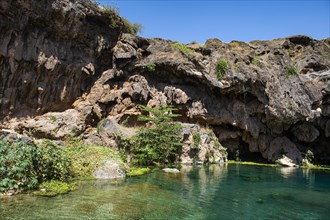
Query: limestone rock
<point>285,161</point>
<point>55,125</point>
<point>283,146</point>
<point>109,169</point>
<point>64,69</point>
<point>305,132</point>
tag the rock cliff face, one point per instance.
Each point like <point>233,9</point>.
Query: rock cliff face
<point>63,70</point>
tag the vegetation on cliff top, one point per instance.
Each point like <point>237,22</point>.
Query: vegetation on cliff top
<point>116,21</point>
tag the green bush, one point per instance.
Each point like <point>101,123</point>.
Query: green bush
<point>86,158</point>
<point>196,139</point>
<point>183,48</point>
<point>53,162</point>
<point>291,70</point>
<point>151,67</point>
<point>25,165</point>
<point>221,68</point>
<point>18,163</point>
<point>158,143</point>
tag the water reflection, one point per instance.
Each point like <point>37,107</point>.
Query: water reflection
<point>208,181</point>
<point>212,193</point>
<point>287,171</point>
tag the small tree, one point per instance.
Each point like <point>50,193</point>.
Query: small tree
<point>159,142</point>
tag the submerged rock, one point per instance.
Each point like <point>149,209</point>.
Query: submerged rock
<point>171,170</point>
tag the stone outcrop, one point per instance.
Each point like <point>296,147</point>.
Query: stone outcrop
<point>63,60</point>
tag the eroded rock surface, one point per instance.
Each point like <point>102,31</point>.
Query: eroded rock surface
<point>63,57</point>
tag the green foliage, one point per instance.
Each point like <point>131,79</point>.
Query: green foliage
<point>222,149</point>
<point>86,158</point>
<point>256,61</point>
<point>53,163</point>
<point>183,48</point>
<point>196,139</point>
<point>291,70</point>
<point>138,171</point>
<point>151,67</point>
<point>221,68</point>
<point>54,188</point>
<point>25,165</point>
<point>159,142</point>
<point>18,163</point>
<point>112,12</point>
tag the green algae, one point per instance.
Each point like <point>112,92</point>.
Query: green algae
<point>135,171</point>
<point>54,188</point>
<point>252,163</point>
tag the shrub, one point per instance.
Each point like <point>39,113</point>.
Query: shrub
<point>85,159</point>
<point>158,143</point>
<point>25,165</point>
<point>18,163</point>
<point>291,70</point>
<point>196,139</point>
<point>53,163</point>
<point>151,67</point>
<point>221,68</point>
<point>183,48</point>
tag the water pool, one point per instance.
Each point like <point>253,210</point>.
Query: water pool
<point>214,192</point>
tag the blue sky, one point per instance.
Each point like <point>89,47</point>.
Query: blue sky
<point>188,21</point>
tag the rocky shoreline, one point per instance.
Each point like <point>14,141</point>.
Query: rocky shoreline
<point>66,72</point>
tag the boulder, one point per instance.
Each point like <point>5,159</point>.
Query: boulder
<point>305,132</point>
<point>109,169</point>
<point>285,161</point>
<point>283,146</point>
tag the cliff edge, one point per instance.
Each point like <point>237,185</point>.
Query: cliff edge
<point>65,67</point>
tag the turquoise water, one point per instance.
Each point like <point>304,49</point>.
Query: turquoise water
<point>215,192</point>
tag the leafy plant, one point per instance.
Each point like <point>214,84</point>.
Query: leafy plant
<point>196,139</point>
<point>291,70</point>
<point>151,67</point>
<point>159,142</point>
<point>221,68</point>
<point>53,163</point>
<point>183,48</point>
<point>25,165</point>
